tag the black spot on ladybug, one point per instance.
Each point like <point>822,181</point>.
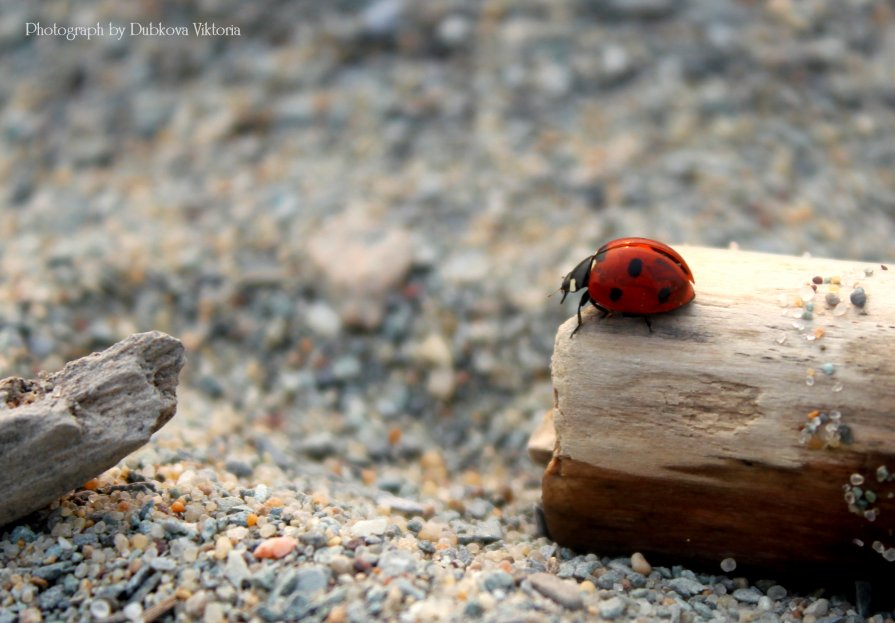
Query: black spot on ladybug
<point>615,294</point>
<point>635,267</point>
<point>664,293</point>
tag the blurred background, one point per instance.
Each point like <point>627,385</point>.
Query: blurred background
<point>352,212</point>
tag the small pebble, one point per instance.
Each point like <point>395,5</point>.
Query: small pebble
<point>222,547</point>
<point>858,297</point>
<point>747,595</point>
<point>369,527</point>
<point>640,564</point>
<point>100,609</point>
<point>776,592</point>
<point>819,607</point>
<point>612,608</point>
<point>685,587</point>
<point>275,547</point>
<point>564,592</point>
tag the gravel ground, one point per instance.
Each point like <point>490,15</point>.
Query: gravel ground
<point>351,214</point>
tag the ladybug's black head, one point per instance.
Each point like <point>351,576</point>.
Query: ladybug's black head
<point>578,278</point>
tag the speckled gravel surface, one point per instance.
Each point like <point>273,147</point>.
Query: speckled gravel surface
<point>351,214</point>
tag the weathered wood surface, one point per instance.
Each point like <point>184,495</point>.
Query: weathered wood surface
<point>58,432</point>
<point>686,442</point>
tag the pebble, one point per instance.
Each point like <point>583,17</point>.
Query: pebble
<point>640,564</point>
<point>323,319</point>
<point>360,262</point>
<point>397,562</point>
<point>275,547</point>
<point>685,587</point>
<point>498,580</point>
<point>728,565</point>
<point>563,592</point>
<point>369,527</point>
<point>776,592</point>
<point>749,595</point>
<point>612,608</point>
<point>236,568</point>
<point>434,350</point>
<point>819,607</point>
<point>311,580</point>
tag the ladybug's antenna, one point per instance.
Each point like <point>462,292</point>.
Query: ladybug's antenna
<point>554,292</point>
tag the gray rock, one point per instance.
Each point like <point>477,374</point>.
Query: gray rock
<point>818,608</point>
<point>238,468</point>
<point>236,569</point>
<point>82,420</point>
<point>563,592</point>
<point>685,587</point>
<point>163,564</point>
<point>776,592</point>
<point>405,506</point>
<point>53,572</point>
<point>498,580</point>
<point>585,568</point>
<point>312,579</point>
<point>610,579</point>
<point>485,532</point>
<point>396,562</point>
<point>612,608</point>
<point>749,595</point>
<point>410,590</point>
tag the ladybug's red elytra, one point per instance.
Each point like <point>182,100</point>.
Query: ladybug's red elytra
<point>631,276</point>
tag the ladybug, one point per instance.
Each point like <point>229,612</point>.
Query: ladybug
<point>633,277</point>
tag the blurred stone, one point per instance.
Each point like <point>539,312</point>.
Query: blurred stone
<point>360,262</point>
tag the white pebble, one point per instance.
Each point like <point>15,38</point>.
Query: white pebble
<point>133,612</point>
<point>323,319</point>
<point>100,609</point>
<point>640,564</point>
<point>214,613</point>
<point>441,383</point>
<point>818,608</point>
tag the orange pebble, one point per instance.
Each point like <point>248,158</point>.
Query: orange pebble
<point>394,435</point>
<point>252,519</point>
<point>177,506</point>
<point>813,414</point>
<point>91,484</point>
<point>275,547</point>
<point>368,476</point>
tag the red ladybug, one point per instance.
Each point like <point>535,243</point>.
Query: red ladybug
<point>631,276</point>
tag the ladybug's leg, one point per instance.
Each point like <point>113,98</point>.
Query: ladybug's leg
<point>603,311</point>
<point>585,299</point>
<point>649,325</point>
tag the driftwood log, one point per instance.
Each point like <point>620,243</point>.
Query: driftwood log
<point>58,432</point>
<point>756,424</point>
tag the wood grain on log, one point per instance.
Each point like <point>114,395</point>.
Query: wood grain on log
<point>688,442</point>
<point>58,432</point>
